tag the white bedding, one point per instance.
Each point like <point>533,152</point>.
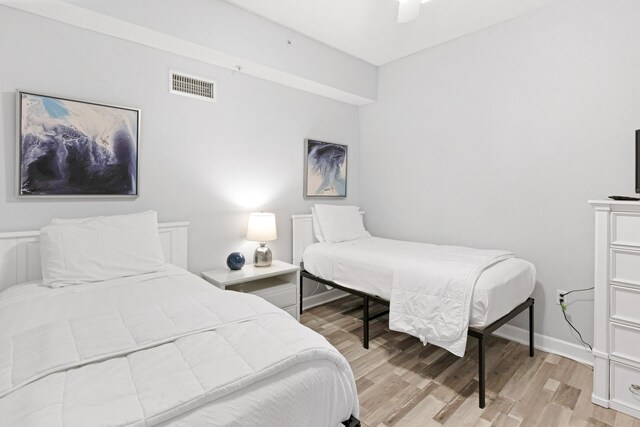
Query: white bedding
<point>269,400</point>
<point>365,265</point>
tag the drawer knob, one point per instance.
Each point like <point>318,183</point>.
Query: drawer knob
<point>635,389</point>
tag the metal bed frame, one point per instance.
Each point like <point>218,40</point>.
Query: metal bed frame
<point>479,333</point>
<point>351,422</point>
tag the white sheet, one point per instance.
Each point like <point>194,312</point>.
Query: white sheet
<point>26,306</point>
<point>498,290</point>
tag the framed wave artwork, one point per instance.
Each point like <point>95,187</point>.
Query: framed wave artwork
<point>74,148</point>
<point>325,169</point>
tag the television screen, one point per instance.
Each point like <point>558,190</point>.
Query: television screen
<point>638,161</point>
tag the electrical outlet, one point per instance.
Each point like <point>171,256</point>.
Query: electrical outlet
<point>558,292</point>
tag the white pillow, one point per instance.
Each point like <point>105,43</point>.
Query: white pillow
<point>74,220</point>
<point>100,248</point>
<point>340,223</point>
<point>124,217</point>
<point>316,225</point>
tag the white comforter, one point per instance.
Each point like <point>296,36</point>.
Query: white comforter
<point>157,356</point>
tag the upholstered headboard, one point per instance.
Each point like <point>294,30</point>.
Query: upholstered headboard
<point>20,252</point>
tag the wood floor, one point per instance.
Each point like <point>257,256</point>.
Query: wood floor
<point>402,383</point>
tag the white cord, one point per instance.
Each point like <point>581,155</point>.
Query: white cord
<point>316,289</point>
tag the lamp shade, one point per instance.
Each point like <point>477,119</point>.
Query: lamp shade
<point>262,227</point>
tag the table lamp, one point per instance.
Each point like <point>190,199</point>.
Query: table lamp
<point>262,228</point>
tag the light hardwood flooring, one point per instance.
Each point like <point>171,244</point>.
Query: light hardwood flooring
<point>402,383</point>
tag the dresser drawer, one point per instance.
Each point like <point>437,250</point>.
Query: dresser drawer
<point>625,266</point>
<point>625,341</point>
<point>280,296</point>
<point>625,229</point>
<point>625,304</point>
<point>625,385</point>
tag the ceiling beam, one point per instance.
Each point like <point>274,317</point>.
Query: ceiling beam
<point>97,22</point>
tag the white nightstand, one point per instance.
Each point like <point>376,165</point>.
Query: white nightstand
<point>279,283</point>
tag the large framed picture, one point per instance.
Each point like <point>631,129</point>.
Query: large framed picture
<point>325,169</point>
<point>74,148</point>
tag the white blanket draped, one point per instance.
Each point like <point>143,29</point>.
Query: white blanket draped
<point>431,296</point>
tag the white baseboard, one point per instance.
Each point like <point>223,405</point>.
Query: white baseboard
<point>512,333</point>
<point>322,298</point>
<point>546,343</point>
<point>599,401</point>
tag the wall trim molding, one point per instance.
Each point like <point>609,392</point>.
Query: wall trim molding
<point>509,332</point>
<point>93,21</point>
<point>322,298</point>
<point>547,343</point>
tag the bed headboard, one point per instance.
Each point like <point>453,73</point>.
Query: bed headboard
<point>20,252</point>
<point>302,235</point>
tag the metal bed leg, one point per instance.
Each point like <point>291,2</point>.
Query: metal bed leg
<point>481,371</point>
<point>531,330</point>
<point>479,334</point>
<point>301,278</point>
<point>352,422</point>
<point>365,320</point>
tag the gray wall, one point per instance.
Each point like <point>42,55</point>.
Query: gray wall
<point>208,163</point>
<point>222,26</point>
<point>498,139</point>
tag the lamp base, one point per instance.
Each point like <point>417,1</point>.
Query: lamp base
<point>262,256</point>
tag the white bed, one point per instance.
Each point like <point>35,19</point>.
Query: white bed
<point>311,383</point>
<point>358,264</point>
<point>440,294</point>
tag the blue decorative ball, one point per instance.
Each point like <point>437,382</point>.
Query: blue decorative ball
<point>235,260</point>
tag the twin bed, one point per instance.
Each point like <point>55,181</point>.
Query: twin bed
<point>493,287</point>
<point>109,328</point>
<point>154,348</point>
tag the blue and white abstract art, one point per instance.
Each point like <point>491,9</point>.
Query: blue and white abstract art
<point>75,148</point>
<point>325,169</point>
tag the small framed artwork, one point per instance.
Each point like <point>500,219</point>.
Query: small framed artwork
<point>325,169</point>
<point>74,148</point>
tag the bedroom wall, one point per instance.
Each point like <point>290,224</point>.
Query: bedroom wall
<point>498,139</point>
<point>208,163</point>
<point>219,25</point>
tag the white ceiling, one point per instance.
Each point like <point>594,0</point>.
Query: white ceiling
<point>367,29</point>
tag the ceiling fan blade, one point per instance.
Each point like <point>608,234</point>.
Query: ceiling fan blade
<point>408,10</point>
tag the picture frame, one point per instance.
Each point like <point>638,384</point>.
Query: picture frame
<point>74,148</point>
<point>325,169</point>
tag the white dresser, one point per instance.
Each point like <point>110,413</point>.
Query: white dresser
<point>616,347</point>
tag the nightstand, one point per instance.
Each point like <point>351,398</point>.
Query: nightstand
<point>279,283</point>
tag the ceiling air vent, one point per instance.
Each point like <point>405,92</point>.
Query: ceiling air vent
<point>193,86</point>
